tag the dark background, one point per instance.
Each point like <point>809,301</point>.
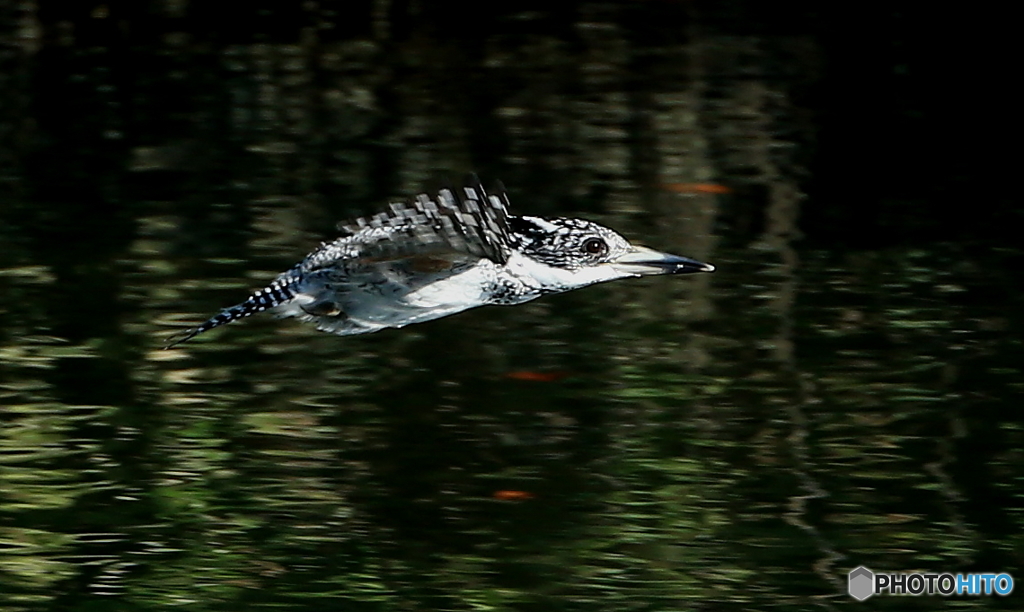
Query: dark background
<point>843,391</point>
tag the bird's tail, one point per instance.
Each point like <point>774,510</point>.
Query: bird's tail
<point>278,292</point>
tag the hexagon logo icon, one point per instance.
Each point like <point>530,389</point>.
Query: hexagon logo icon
<point>861,583</point>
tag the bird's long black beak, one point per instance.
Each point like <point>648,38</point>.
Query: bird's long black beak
<point>643,261</point>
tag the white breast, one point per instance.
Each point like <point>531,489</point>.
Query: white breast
<point>463,290</point>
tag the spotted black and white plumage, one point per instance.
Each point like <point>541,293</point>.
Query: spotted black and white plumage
<point>433,257</point>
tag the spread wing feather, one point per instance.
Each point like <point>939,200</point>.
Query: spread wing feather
<point>467,221</point>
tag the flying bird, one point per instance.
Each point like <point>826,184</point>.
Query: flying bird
<point>436,256</point>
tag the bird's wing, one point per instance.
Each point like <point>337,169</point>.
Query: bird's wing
<point>454,224</point>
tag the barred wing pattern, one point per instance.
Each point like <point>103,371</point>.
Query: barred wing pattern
<point>469,221</point>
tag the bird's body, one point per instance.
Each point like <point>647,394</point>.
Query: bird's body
<point>435,257</point>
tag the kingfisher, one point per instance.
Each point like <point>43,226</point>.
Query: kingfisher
<point>432,257</point>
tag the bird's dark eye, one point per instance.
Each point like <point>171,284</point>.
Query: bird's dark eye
<point>594,246</point>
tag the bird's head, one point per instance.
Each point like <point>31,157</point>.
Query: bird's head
<point>563,254</point>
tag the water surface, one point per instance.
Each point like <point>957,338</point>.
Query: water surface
<point>734,441</point>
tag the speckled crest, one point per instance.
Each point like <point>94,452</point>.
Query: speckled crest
<point>561,241</point>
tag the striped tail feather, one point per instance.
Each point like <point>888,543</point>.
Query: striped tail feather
<point>278,292</point>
